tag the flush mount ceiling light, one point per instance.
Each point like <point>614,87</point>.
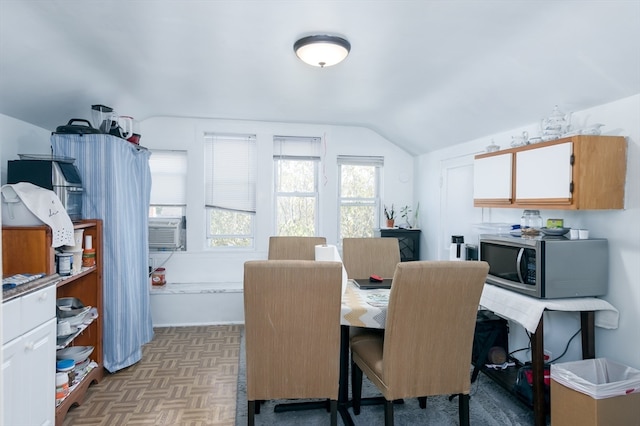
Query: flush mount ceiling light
<point>322,50</point>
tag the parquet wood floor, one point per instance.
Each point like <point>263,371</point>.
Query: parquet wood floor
<point>187,377</point>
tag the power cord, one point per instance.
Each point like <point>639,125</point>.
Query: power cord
<point>165,261</point>
<point>566,348</point>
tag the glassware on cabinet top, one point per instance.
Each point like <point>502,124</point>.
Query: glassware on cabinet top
<point>555,125</point>
<point>493,147</point>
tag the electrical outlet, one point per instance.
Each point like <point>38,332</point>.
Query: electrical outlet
<point>547,355</point>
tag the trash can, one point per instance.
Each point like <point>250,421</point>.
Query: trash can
<point>594,392</point>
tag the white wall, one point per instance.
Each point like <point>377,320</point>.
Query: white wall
<point>224,265</point>
<point>18,137</point>
<point>620,227</point>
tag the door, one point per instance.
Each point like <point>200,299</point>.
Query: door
<point>457,213</point>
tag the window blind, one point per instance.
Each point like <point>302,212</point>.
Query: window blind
<point>300,148</point>
<point>169,177</point>
<point>361,160</point>
<point>230,172</point>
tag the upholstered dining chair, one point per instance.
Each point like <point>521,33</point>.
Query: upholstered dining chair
<point>292,331</point>
<point>363,257</point>
<point>428,336</point>
<point>294,248</point>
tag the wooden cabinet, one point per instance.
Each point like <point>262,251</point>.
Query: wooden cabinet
<point>28,370</point>
<point>28,250</point>
<point>573,173</point>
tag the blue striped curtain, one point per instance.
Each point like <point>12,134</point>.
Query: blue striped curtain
<point>117,185</point>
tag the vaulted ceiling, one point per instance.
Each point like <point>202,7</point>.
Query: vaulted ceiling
<point>423,74</point>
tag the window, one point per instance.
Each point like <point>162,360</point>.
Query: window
<point>168,194</point>
<point>359,186</point>
<point>230,189</point>
<point>296,164</point>
<point>168,183</point>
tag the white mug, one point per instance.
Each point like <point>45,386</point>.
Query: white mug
<point>574,234</point>
<point>584,234</point>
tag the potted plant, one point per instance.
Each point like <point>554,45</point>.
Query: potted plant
<point>404,212</point>
<point>390,214</point>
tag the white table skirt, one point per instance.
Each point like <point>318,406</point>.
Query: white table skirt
<point>527,310</point>
<point>368,308</point>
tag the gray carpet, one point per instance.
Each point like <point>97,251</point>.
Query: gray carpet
<point>490,405</point>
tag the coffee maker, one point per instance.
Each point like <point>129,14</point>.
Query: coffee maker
<point>457,248</point>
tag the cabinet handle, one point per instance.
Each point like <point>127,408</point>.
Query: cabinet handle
<point>29,346</point>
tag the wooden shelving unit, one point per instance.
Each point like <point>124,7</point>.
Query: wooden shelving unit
<point>28,250</point>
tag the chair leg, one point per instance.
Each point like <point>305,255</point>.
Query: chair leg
<point>333,404</point>
<point>251,420</point>
<point>388,413</point>
<point>463,408</point>
<point>257,404</point>
<point>422,402</point>
<point>356,387</point>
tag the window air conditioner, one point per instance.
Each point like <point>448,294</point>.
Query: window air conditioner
<point>164,233</point>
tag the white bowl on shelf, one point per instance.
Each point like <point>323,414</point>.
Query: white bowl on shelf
<point>76,353</point>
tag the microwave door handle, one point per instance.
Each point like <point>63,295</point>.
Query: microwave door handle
<point>519,264</point>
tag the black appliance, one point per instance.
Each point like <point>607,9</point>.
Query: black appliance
<point>57,174</point>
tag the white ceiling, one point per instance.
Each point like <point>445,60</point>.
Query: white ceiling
<point>423,74</point>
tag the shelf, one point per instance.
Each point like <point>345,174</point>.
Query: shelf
<point>71,337</point>
<point>29,250</point>
<point>66,279</point>
<point>77,392</point>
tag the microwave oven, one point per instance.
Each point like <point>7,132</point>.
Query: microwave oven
<point>547,267</point>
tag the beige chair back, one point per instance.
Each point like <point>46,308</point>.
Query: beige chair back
<point>363,257</point>
<point>429,330</point>
<point>292,328</point>
<point>294,248</point>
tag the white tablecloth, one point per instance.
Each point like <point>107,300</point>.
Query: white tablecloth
<point>527,310</point>
<point>364,308</point>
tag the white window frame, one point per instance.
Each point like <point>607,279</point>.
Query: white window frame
<point>230,184</point>
<point>290,148</point>
<point>168,199</point>
<point>375,202</point>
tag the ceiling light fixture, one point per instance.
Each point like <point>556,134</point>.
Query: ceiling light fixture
<point>322,50</point>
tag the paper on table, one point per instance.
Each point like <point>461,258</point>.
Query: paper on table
<point>329,253</point>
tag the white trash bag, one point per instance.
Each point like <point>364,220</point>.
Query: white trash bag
<point>599,378</point>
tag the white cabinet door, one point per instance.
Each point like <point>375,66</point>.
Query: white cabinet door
<point>39,375</point>
<point>29,360</point>
<point>544,173</point>
<point>12,398</point>
<point>492,177</point>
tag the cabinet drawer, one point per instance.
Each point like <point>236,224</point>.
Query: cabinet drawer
<point>11,327</point>
<point>38,307</point>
